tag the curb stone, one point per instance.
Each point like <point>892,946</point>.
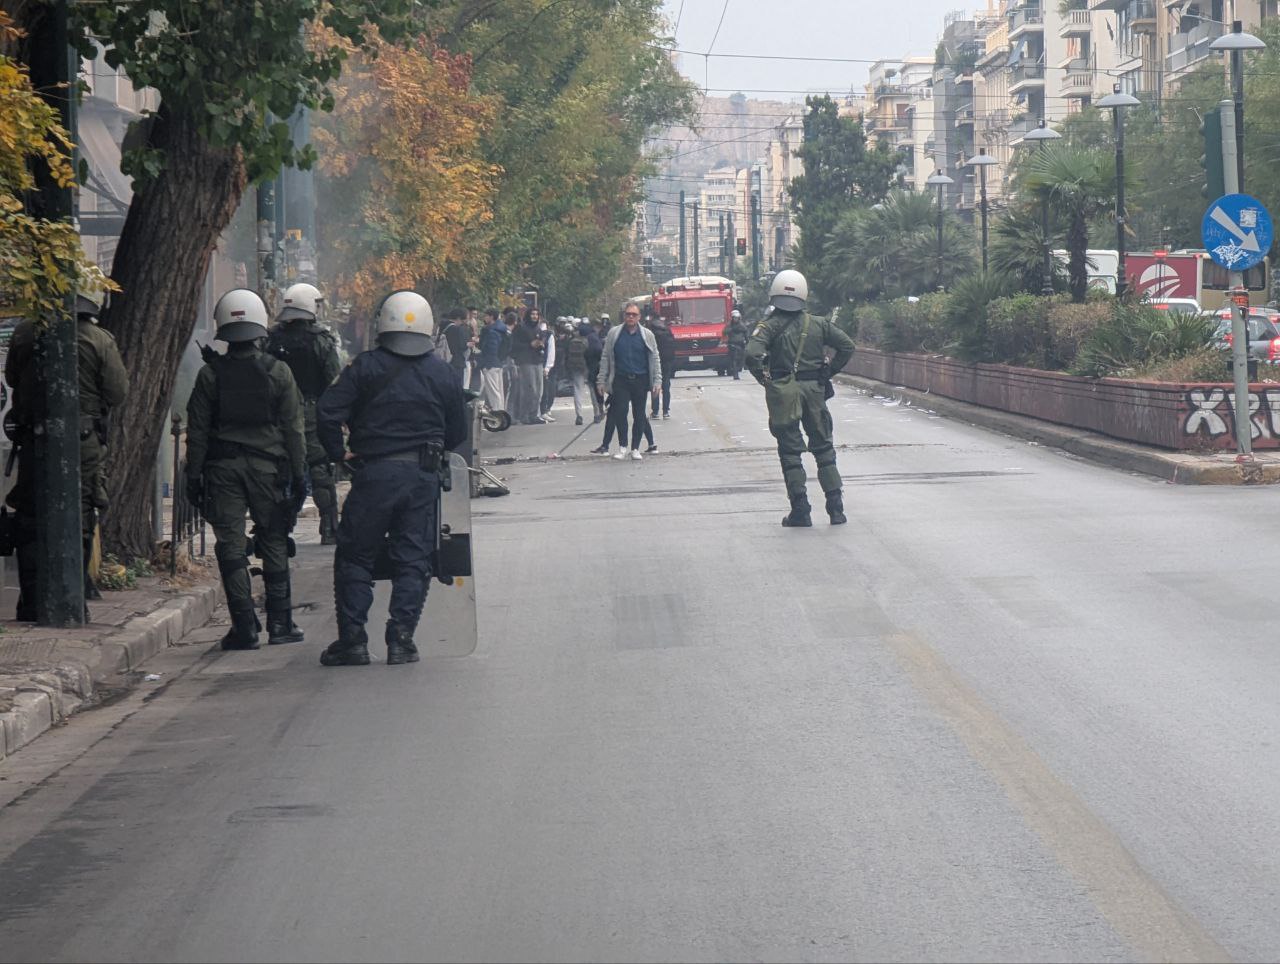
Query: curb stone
<point>1177,467</point>
<point>44,699</point>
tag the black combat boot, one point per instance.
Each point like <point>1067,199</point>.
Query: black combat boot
<point>835,508</point>
<point>400,645</point>
<point>350,649</point>
<point>243,633</point>
<point>329,526</point>
<point>280,627</point>
<point>799,516</point>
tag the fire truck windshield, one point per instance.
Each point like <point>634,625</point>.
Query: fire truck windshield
<point>693,311</point>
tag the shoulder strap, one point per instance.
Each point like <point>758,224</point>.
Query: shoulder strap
<point>804,333</point>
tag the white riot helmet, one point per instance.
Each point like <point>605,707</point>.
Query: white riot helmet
<point>405,324</point>
<point>789,291</point>
<point>300,301</point>
<point>240,316</point>
<point>736,313</point>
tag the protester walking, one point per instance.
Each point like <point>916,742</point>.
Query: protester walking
<point>489,359</point>
<point>630,369</point>
<point>667,355</point>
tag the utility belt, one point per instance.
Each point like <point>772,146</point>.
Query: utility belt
<point>816,375</point>
<point>429,457</point>
<point>220,450</point>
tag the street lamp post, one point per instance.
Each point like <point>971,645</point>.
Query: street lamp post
<point>1237,42</point>
<point>982,161</point>
<point>1117,102</point>
<point>940,181</point>
<point>1042,135</point>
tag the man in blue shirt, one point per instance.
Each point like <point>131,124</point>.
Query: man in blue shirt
<point>630,370</point>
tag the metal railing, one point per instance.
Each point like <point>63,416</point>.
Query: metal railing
<point>1025,17</point>
<point>186,519</point>
<point>1024,72</point>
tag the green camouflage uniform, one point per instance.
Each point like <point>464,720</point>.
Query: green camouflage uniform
<point>311,352</point>
<point>247,468</point>
<point>795,378</point>
<point>104,383</point>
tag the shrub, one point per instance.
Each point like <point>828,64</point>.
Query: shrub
<point>1137,336</point>
<point>1205,365</point>
<point>919,325</point>
<point>1018,330</point>
<point>967,314</point>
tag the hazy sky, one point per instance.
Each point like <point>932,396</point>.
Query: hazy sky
<point>857,29</point>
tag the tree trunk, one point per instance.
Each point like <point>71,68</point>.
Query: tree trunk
<point>171,230</point>
<point>1078,256</point>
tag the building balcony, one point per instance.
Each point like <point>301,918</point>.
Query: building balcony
<point>1025,20</point>
<point>994,57</point>
<point>965,116</point>
<point>1076,23</point>
<point>1142,16</point>
<point>1077,83</point>
<point>1018,129</point>
<point>1026,77</point>
<point>1189,48</point>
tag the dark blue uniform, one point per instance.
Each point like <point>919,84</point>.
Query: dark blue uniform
<point>393,406</point>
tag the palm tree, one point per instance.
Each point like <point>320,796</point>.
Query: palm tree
<point>883,250</point>
<point>1080,184</point>
<point>1017,249</point>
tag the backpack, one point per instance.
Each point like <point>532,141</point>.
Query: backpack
<point>575,355</point>
<point>443,351</point>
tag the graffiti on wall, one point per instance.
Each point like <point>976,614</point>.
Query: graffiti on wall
<point>1210,413</point>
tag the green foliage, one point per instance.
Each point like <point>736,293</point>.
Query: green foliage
<point>842,174</point>
<point>1137,335</point>
<point>967,310</point>
<point>890,250</point>
<point>1017,249</point>
<point>117,577</point>
<point>578,88</point>
<point>236,70</point>
<point>1079,183</point>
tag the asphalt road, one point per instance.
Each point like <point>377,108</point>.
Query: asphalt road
<point>1020,708</point>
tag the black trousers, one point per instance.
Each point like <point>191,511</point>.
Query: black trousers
<point>666,394</point>
<point>630,390</point>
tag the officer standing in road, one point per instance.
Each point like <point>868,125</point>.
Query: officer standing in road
<point>736,335</point>
<point>787,355</point>
<point>405,410</point>
<point>246,451</point>
<point>103,384</point>
<point>311,352</point>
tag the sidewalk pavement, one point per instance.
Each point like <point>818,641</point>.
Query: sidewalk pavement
<point>47,674</point>
<point>1188,468</point>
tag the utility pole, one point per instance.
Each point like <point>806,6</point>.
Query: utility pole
<point>697,260</point>
<point>722,244</point>
<point>266,197</point>
<point>1235,286</point>
<point>684,250</point>
<point>755,237</point>
<point>733,244</point>
<point>60,551</point>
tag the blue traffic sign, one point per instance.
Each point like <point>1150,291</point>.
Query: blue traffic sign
<point>1237,232</point>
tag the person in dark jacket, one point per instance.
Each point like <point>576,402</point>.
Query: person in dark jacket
<point>736,335</point>
<point>405,409</point>
<point>667,353</point>
<point>528,351</point>
<point>493,337</point>
<point>595,348</point>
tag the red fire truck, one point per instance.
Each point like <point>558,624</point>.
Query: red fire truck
<point>697,311</point>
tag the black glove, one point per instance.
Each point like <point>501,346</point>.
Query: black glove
<point>195,489</point>
<point>828,389</point>
<point>298,490</point>
<point>824,372</point>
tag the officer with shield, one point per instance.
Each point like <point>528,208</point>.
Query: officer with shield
<point>311,352</point>
<point>787,354</point>
<point>404,409</point>
<point>246,453</point>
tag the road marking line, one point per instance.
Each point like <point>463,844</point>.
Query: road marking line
<point>1134,904</point>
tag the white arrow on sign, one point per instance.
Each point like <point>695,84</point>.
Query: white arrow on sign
<point>1248,241</point>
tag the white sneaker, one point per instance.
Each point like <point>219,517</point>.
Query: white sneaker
<point>548,418</point>
<point>620,454</point>
<point>635,455</point>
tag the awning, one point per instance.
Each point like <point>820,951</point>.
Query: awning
<point>102,154</point>
<point>1016,54</point>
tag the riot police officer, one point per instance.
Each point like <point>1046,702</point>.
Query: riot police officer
<point>246,452</point>
<point>405,409</point>
<point>787,354</point>
<point>103,384</point>
<point>311,352</point>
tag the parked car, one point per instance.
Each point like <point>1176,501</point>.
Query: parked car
<point>1186,306</point>
<point>1264,333</point>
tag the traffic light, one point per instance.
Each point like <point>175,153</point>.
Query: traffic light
<point>742,246</point>
<point>648,266</point>
<point>1211,160</point>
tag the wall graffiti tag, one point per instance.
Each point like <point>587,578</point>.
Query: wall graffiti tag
<point>1211,414</point>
